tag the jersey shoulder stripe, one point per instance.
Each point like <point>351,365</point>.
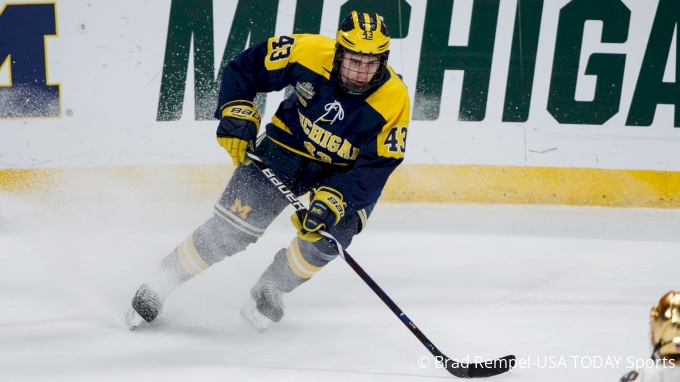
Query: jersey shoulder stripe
<point>315,53</point>
<point>391,100</point>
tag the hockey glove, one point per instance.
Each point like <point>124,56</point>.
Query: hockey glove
<point>239,124</point>
<point>325,211</point>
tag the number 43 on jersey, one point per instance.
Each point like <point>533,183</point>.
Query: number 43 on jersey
<point>395,142</point>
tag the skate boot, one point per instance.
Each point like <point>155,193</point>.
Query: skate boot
<point>264,306</point>
<point>146,306</point>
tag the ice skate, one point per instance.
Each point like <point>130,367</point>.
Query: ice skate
<point>253,317</point>
<point>133,319</point>
<point>146,306</point>
<point>264,306</point>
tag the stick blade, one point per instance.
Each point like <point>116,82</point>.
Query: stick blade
<point>491,367</point>
<point>478,370</point>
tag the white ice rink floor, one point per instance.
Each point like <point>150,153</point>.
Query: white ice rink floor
<point>567,290</point>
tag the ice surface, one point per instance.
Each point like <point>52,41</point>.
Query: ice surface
<point>478,281</point>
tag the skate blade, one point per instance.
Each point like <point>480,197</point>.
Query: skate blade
<point>253,317</point>
<point>133,319</point>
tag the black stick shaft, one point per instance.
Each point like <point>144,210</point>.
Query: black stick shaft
<point>455,368</point>
<point>352,263</point>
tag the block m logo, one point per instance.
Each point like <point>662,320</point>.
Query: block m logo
<point>240,209</point>
<point>23,56</point>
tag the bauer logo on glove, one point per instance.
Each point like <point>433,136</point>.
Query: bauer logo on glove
<point>325,211</point>
<point>238,128</point>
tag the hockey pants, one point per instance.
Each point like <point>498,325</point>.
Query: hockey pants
<point>246,208</point>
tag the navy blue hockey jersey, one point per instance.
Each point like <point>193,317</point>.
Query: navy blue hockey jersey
<point>364,136</point>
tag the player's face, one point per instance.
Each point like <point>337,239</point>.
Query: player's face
<point>358,69</point>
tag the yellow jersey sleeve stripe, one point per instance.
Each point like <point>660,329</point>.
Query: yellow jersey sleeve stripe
<point>392,102</point>
<point>315,53</point>
<point>8,64</point>
<point>276,121</point>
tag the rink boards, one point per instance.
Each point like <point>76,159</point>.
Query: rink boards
<point>409,184</point>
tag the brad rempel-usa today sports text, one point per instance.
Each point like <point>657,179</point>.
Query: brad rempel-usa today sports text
<point>553,362</point>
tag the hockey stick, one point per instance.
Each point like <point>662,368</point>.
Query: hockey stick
<point>458,369</point>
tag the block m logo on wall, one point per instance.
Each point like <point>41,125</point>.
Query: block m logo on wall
<point>25,91</point>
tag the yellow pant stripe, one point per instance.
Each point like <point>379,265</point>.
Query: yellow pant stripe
<point>237,222</point>
<point>298,264</point>
<point>193,253</point>
<point>298,255</point>
<point>295,267</point>
<point>185,261</point>
<point>189,258</point>
<point>237,226</point>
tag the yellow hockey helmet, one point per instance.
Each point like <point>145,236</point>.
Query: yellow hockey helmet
<point>362,34</point>
<point>664,321</point>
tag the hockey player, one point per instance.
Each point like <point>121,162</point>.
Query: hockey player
<point>339,136</point>
<point>664,321</point>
